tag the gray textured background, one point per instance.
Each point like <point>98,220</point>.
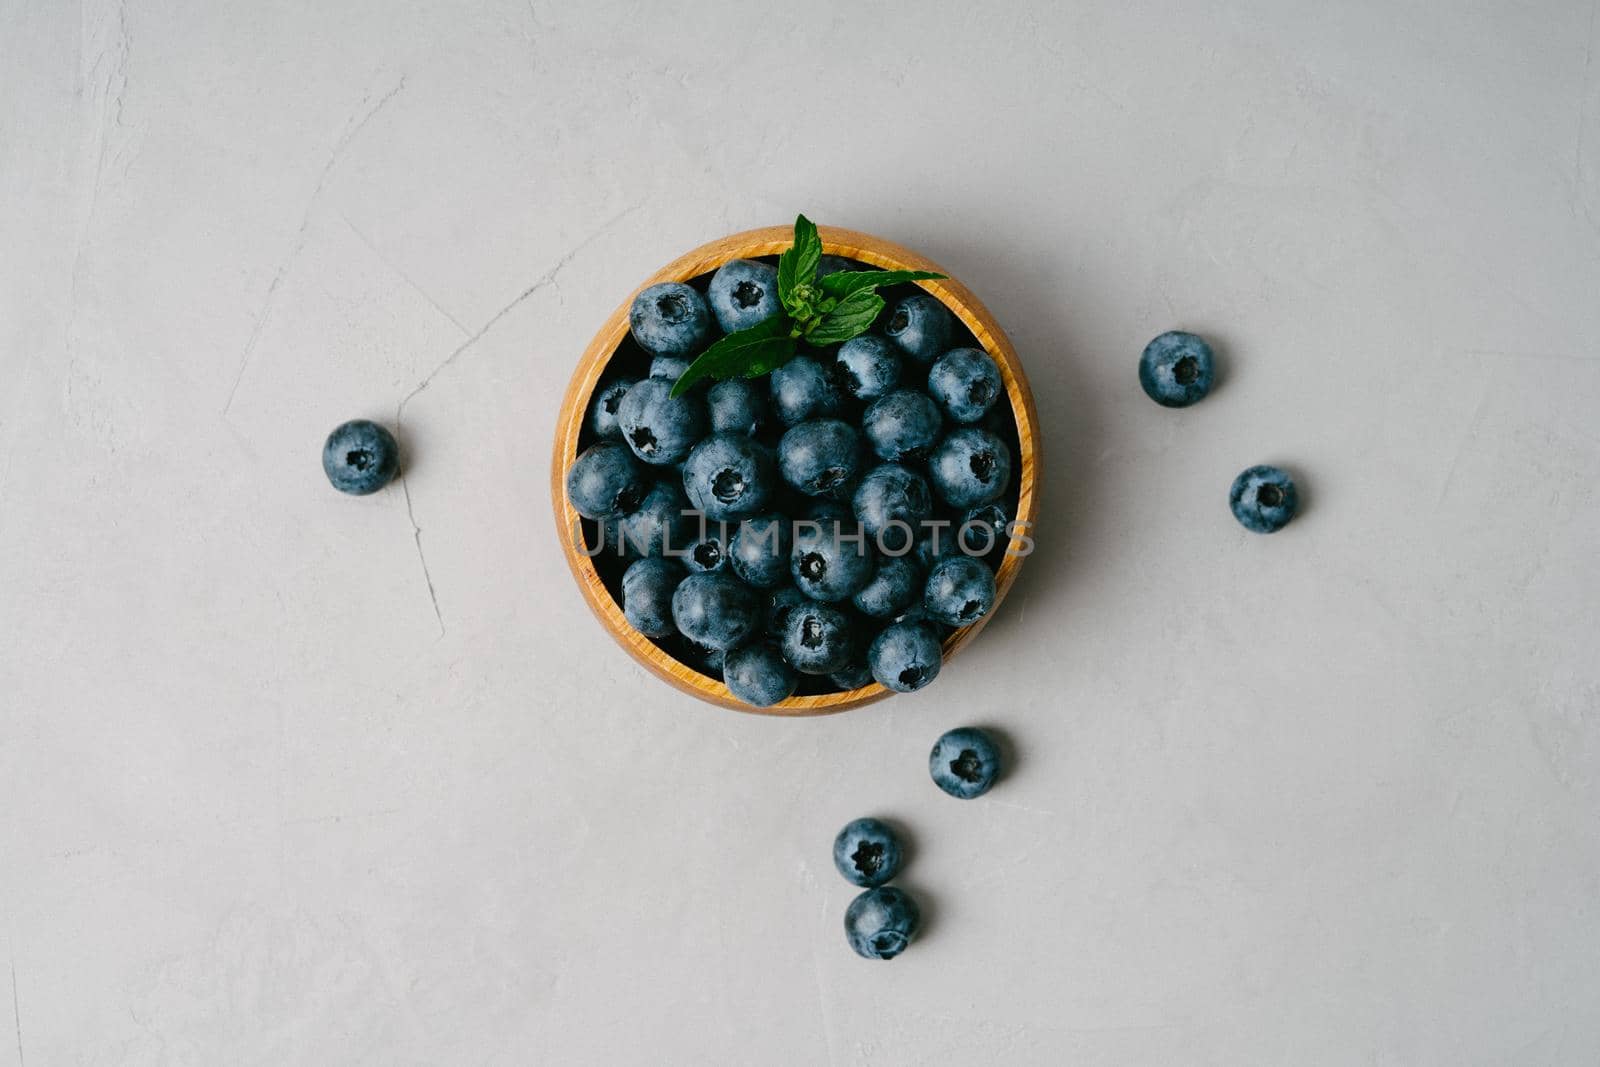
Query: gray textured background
<point>1322,798</point>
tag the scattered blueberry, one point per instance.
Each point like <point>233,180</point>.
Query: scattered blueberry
<point>821,456</point>
<point>895,585</point>
<point>670,319</point>
<point>759,551</point>
<point>889,494</point>
<point>738,405</point>
<point>1177,369</point>
<point>758,674</point>
<point>607,400</point>
<point>966,383</point>
<point>903,426</point>
<point>729,477</point>
<point>866,367</point>
<point>964,763</point>
<point>361,457</point>
<point>920,325</point>
<point>717,611</point>
<point>660,429</point>
<point>881,922</point>
<point>905,656</point>
<point>969,467</point>
<point>743,293</point>
<point>960,591</point>
<point>818,638</point>
<point>867,852</point>
<point>1263,499</point>
<point>830,564</point>
<point>647,588</point>
<point>605,481</point>
<point>801,389</point>
<point>663,523</point>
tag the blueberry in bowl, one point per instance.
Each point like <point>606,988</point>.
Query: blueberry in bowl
<point>825,461</point>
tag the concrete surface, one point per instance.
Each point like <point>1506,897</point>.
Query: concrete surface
<point>277,791</point>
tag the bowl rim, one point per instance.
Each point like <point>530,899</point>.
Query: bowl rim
<point>766,241</point>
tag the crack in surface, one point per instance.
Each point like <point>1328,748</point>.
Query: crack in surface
<point>352,129</point>
<point>546,279</point>
<point>16,1013</point>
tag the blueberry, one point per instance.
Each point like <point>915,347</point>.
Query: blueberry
<point>921,326</point>
<point>759,551</point>
<point>818,638</point>
<point>716,610</point>
<point>820,457</point>
<point>780,606</point>
<point>881,922</point>
<point>867,852</point>
<point>802,389</point>
<point>758,675</point>
<point>960,591</point>
<point>966,383</point>
<point>891,494</point>
<point>937,541</point>
<point>827,513</point>
<point>647,588</point>
<point>663,524</point>
<point>1263,499</point>
<point>1177,369</point>
<point>984,528</point>
<point>918,614</point>
<point>969,467</point>
<point>834,264</point>
<point>708,661</point>
<point>709,553</point>
<point>905,656</point>
<point>895,585</point>
<point>660,429</point>
<point>738,405</point>
<point>902,426</point>
<point>830,564</point>
<point>742,294</point>
<point>866,367</point>
<point>854,675</point>
<point>605,481</point>
<point>729,477</point>
<point>669,368</point>
<point>360,457</point>
<point>603,412</point>
<point>964,763</point>
<point>670,319</point>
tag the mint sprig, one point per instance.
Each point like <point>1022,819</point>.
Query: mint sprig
<point>818,311</point>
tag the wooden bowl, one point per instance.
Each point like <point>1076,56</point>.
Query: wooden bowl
<point>708,257</point>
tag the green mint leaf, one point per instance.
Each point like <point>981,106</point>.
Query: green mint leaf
<point>854,314</point>
<point>733,354</point>
<point>768,356</point>
<point>845,282</point>
<point>797,267</point>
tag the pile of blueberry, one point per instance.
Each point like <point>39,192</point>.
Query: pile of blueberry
<point>880,922</point>
<point>812,530</point>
